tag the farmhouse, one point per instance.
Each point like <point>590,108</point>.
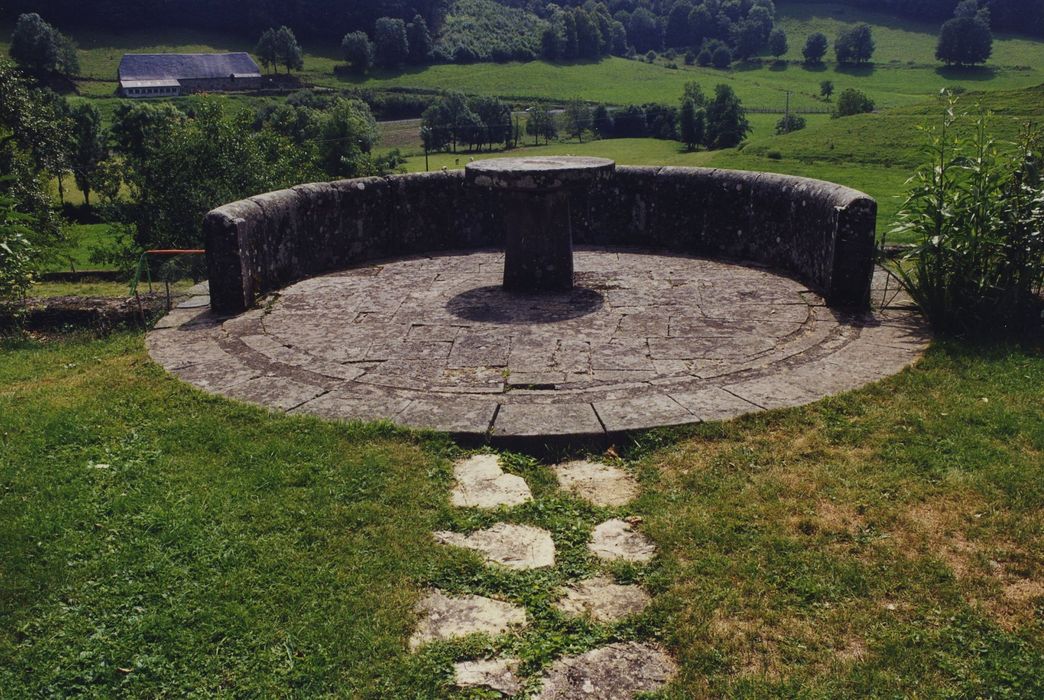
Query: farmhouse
<point>172,74</point>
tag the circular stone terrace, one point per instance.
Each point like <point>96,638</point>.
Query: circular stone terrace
<point>644,338</point>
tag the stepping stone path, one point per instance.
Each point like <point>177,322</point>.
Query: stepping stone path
<point>614,540</point>
<point>612,672</point>
<point>445,617</point>
<point>495,674</point>
<point>603,600</point>
<point>599,484</point>
<point>481,483</point>
<point>513,546</point>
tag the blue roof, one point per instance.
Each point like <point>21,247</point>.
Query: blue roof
<point>179,66</point>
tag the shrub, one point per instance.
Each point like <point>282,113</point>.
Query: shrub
<point>826,88</point>
<point>852,101</point>
<point>16,253</point>
<point>789,123</point>
<point>650,56</point>
<point>774,155</point>
<point>978,266</point>
<point>722,57</point>
<point>704,58</point>
<point>357,50</point>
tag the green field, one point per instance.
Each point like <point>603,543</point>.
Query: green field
<point>161,542</point>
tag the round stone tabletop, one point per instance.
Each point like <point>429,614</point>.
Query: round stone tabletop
<point>535,173</point>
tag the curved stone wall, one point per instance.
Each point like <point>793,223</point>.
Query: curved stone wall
<point>820,232</point>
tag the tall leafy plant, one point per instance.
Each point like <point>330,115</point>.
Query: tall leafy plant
<point>977,213</point>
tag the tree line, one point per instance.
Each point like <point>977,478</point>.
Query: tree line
<point>457,121</point>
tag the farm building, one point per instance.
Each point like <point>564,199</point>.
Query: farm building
<point>172,74</point>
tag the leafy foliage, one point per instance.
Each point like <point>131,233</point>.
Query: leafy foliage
<point>815,48</point>
<point>16,252</point>
<point>484,30</point>
<point>964,41</point>
<point>727,123</point>
<point>40,49</point>
<point>279,47</point>
<point>358,51</point>
<point>978,218</point>
<point>855,45</point>
<point>391,45</point>
<point>852,101</point>
<point>789,123</point>
<point>183,167</point>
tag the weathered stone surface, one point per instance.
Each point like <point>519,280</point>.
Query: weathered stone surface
<point>600,484</point>
<point>496,674</point>
<point>615,672</point>
<point>444,617</point>
<point>617,540</point>
<point>511,546</point>
<point>638,413</point>
<point>603,600</point>
<point>481,483</point>
<point>547,419</point>
<point>277,392</point>
<point>537,173</point>
<point>428,343</point>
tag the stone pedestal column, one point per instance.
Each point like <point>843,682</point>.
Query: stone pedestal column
<point>538,248</point>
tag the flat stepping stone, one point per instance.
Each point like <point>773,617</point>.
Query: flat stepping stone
<point>616,540</point>
<point>599,484</point>
<point>511,546</point>
<point>481,483</point>
<point>603,600</point>
<point>444,616</point>
<point>495,674</point>
<point>615,672</point>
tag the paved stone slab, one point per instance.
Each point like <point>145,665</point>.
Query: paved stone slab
<point>511,546</point>
<point>600,484</point>
<point>547,419</point>
<point>496,674</point>
<point>451,415</point>
<point>444,617</point>
<point>643,340</point>
<point>714,403</point>
<point>641,411</point>
<point>615,672</point>
<point>603,600</point>
<point>481,483</point>
<point>276,392</point>
<point>616,540</point>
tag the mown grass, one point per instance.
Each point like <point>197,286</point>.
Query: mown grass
<point>159,542</point>
<point>896,38</point>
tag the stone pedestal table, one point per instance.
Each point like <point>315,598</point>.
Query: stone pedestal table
<point>538,241</point>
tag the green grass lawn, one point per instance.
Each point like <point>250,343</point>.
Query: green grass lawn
<point>896,38</point>
<point>160,542</point>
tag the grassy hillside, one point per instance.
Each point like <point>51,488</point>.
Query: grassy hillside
<point>897,39</point>
<point>903,73</point>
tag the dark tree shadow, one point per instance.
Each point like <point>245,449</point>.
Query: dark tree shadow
<point>858,70</point>
<point>975,73</point>
<point>494,305</point>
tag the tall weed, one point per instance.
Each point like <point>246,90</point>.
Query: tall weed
<point>977,214</point>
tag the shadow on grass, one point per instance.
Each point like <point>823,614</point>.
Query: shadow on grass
<point>966,73</point>
<point>856,70</point>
